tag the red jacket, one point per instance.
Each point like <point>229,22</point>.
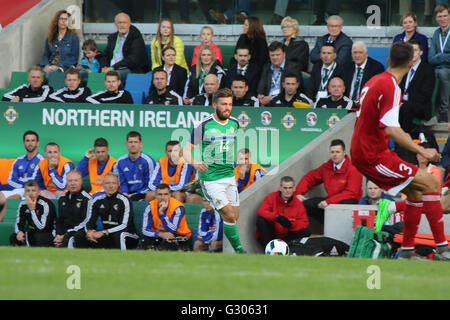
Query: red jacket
<point>273,205</point>
<point>345,183</point>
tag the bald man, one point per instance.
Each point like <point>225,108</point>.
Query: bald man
<point>211,85</point>
<point>336,98</point>
<point>125,51</point>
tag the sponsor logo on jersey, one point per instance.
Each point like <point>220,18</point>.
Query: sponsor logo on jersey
<point>266,118</point>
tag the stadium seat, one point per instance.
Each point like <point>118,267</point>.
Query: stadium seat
<point>18,78</point>
<point>227,54</point>
<point>188,53</point>
<point>380,54</point>
<point>138,84</point>
<point>3,91</point>
<point>56,80</point>
<point>96,82</point>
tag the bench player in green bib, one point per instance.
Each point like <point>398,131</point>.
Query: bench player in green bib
<point>213,143</point>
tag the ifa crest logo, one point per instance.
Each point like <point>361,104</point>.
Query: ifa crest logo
<point>288,121</point>
<point>244,119</point>
<point>11,115</point>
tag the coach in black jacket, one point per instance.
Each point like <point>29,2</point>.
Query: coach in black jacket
<point>177,78</point>
<point>134,56</point>
<point>369,67</point>
<point>417,88</point>
<point>246,68</point>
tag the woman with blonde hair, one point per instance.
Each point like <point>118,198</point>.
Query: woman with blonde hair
<point>206,64</point>
<point>297,49</point>
<point>62,46</point>
<point>409,24</point>
<point>165,37</point>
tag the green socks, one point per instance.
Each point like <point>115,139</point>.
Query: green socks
<point>231,232</point>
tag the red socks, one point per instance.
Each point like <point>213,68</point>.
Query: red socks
<point>433,210</point>
<point>413,212</point>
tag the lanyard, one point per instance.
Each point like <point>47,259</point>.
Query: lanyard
<point>445,41</point>
<point>277,77</point>
<point>324,81</point>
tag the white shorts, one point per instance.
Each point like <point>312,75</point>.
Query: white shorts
<point>221,192</point>
<point>15,192</point>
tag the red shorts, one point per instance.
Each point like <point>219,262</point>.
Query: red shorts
<point>388,171</point>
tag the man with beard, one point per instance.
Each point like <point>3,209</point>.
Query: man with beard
<point>215,137</point>
<point>22,170</point>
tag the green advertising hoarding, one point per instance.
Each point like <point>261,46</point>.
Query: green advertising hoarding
<point>272,134</point>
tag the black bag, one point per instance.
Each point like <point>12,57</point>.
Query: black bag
<point>318,246</point>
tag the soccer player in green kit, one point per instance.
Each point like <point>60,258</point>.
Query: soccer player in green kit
<point>214,160</point>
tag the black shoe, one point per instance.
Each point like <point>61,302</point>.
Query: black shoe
<point>443,117</point>
<point>276,19</point>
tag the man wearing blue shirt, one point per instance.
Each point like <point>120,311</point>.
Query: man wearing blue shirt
<point>22,170</point>
<point>134,169</point>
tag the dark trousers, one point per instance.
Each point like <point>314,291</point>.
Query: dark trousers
<point>316,215</point>
<point>33,239</point>
<point>117,240</point>
<point>148,243</point>
<point>266,233</point>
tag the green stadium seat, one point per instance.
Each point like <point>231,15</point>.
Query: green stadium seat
<point>227,54</point>
<point>56,80</point>
<point>3,91</point>
<point>96,82</point>
<point>18,78</point>
<point>188,53</point>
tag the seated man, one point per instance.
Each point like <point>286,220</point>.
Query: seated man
<point>290,94</point>
<point>210,230</point>
<point>97,167</point>
<point>72,209</point>
<point>134,169</point>
<point>324,70</point>
<point>281,215</point>
<point>72,92</point>
<point>211,85</point>
<point>23,169</point>
<point>171,170</point>
<point>244,68</point>
<point>336,98</point>
<point>115,213</point>
<point>373,194</point>
<point>52,172</point>
<point>241,94</point>
<point>247,172</point>
<point>34,91</point>
<point>160,93</point>
<point>39,214</point>
<point>342,182</point>
<point>164,225</point>
<point>112,94</point>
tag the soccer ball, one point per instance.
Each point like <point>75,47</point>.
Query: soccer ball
<point>277,247</point>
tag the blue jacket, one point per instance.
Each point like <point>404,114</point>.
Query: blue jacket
<point>69,51</point>
<point>207,221</point>
<point>365,198</point>
<point>23,170</point>
<point>435,56</point>
<point>419,37</point>
<point>134,176</point>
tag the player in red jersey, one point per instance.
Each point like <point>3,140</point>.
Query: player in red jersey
<point>377,120</point>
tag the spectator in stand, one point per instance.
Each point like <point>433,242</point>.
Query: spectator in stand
<point>341,180</point>
<point>134,169</point>
<point>417,88</point>
<point>241,94</point>
<point>238,12</point>
<point>297,49</point>
<point>281,215</point>
<point>176,75</point>
<point>207,34</point>
<point>409,24</point>
<point>356,73</point>
<point>206,64</point>
<point>439,57</point>
<point>125,51</point>
<point>247,172</point>
<point>52,172</point>
<point>35,91</point>
<point>23,169</point>
<point>322,72</point>
<point>39,213</point>
<point>210,230</point>
<point>73,91</point>
<point>89,63</point>
<point>62,46</point>
<point>97,167</point>
<point>373,194</point>
<point>270,80</point>
<point>164,225</point>
<point>160,93</point>
<point>210,85</point>
<point>253,37</point>
<point>336,98</point>
<point>320,7</point>
<point>290,96</point>
<point>341,42</point>
<point>72,209</point>
<point>171,170</point>
<point>165,37</point>
<point>113,93</point>
<point>113,211</point>
<point>245,68</point>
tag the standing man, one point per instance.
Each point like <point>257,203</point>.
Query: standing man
<point>22,170</point>
<point>214,138</point>
<point>439,57</point>
<point>377,121</point>
<point>97,167</point>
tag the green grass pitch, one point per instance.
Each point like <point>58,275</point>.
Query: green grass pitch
<point>41,273</point>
